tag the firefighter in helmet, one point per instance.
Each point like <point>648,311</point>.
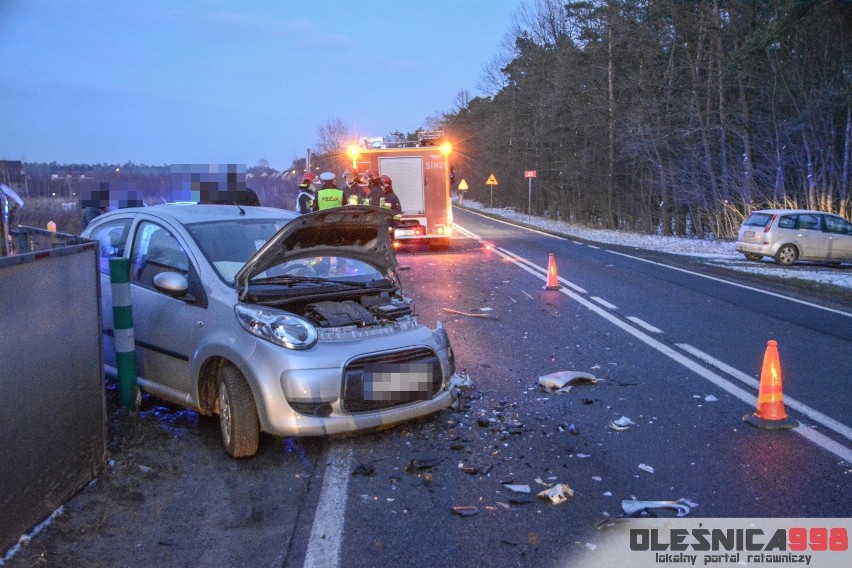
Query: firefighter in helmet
<point>328,195</point>
<point>389,199</point>
<point>373,191</point>
<point>307,194</point>
<point>353,194</point>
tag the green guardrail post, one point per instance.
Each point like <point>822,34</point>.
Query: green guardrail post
<point>125,343</point>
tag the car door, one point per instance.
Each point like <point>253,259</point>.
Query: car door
<point>839,232</point>
<point>812,241</point>
<point>165,327</point>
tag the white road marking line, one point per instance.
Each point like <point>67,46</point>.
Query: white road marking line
<point>803,430</point>
<point>604,303</point>
<point>327,531</point>
<point>847,314</point>
<point>593,247</point>
<point>753,289</point>
<point>511,225</point>
<point>811,413</point>
<point>527,295</point>
<point>647,326</point>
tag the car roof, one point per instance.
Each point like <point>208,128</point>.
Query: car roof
<point>187,213</point>
<point>784,211</point>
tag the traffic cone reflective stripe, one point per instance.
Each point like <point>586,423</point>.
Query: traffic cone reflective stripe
<point>552,277</point>
<point>770,413</point>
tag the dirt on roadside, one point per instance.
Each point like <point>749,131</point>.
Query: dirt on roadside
<point>169,495</point>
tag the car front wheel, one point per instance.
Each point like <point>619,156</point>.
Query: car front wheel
<point>786,255</point>
<point>753,256</point>
<point>237,414</point>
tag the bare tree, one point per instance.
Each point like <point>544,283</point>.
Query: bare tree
<point>333,136</point>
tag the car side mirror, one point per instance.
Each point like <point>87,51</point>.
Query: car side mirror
<point>172,283</point>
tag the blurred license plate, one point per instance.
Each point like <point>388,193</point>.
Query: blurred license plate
<point>404,233</point>
<point>749,234</point>
<point>398,382</point>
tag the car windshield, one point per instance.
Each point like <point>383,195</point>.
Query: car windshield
<point>321,270</point>
<point>228,244</point>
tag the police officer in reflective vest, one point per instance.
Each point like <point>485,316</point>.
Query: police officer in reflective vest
<point>329,195</point>
<point>307,194</point>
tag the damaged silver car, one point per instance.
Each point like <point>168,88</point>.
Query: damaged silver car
<point>284,324</point>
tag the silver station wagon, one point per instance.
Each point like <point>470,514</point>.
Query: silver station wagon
<point>788,235</point>
<point>285,324</point>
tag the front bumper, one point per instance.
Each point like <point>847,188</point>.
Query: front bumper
<point>309,397</point>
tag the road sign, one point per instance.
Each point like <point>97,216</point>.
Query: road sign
<point>529,173</point>
<point>491,180</point>
<point>462,185</point>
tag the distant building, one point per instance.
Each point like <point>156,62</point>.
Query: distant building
<point>12,173</point>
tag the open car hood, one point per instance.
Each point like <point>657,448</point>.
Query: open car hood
<point>352,231</point>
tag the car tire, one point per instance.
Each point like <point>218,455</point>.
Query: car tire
<point>753,256</point>
<point>787,255</point>
<point>237,414</point>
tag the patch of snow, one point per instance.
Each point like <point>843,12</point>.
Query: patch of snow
<point>716,252</point>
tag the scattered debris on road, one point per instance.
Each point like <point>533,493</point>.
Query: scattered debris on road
<point>634,508</point>
<point>557,494</point>
<point>422,463</point>
<point>621,424</point>
<point>564,381</point>
<point>364,469</point>
<point>469,314</point>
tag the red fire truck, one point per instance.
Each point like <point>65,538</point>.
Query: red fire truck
<point>421,180</point>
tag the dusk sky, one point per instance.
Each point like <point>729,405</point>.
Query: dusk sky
<point>161,82</point>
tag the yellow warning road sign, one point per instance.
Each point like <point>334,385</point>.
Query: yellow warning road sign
<point>491,180</point>
<point>462,185</point>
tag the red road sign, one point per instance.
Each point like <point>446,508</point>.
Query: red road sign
<point>529,173</point>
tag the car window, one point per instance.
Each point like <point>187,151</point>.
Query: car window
<point>788,221</point>
<point>758,219</point>
<point>227,245</point>
<point>111,237</point>
<point>832,224</point>
<point>155,250</point>
<point>808,221</point>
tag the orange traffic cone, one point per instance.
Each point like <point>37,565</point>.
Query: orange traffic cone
<point>770,413</point>
<point>552,278</point>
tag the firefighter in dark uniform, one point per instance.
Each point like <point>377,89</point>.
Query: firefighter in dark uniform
<point>353,193</point>
<point>373,191</point>
<point>389,199</point>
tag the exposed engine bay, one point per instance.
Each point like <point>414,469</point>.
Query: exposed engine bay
<point>369,310</point>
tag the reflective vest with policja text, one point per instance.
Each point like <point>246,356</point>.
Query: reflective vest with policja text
<point>329,197</point>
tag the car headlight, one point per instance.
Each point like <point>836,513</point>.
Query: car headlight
<point>279,327</point>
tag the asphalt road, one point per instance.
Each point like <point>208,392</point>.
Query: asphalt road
<point>678,353</point>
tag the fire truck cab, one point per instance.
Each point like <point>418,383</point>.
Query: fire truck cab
<point>421,179</point>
